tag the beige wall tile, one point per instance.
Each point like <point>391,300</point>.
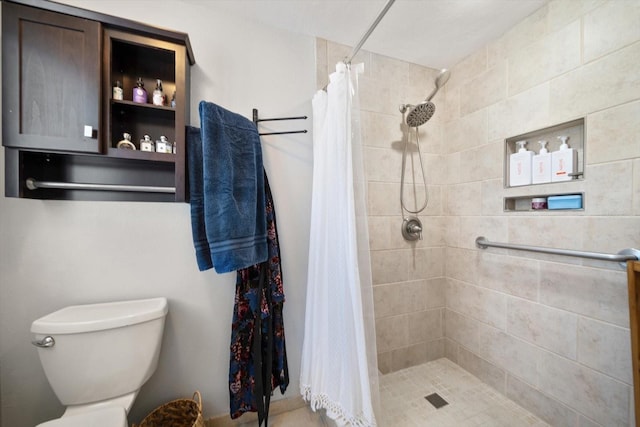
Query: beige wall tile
<point>486,371</point>
<point>528,31</point>
<point>545,407</point>
<point>485,89</point>
<point>546,58</point>
<point>512,354</point>
<point>586,422</point>
<point>601,294</point>
<point>467,132</point>
<point>599,397</point>
<point>426,263</point>
<point>464,199</point>
<point>384,165</point>
<point>510,275</point>
<point>337,52</point>
<point>375,95</point>
<point>555,330</point>
<point>392,332</point>
<point>636,187</point>
<point>450,110</point>
<point>416,354</point>
<point>608,189</point>
<point>471,227</point>
<point>321,63</point>
<point>563,12</point>
<point>386,68</point>
<point>609,27</point>
<point>606,82</point>
<point>462,265</point>
<point>559,232</point>
<point>381,130</point>
<point>524,112</point>
<point>384,362</point>
<point>611,234</point>
<point>389,266</point>
<point>479,303</point>
<point>379,229</point>
<point>399,298</point>
<point>492,192</point>
<point>383,198</point>
<point>468,69</point>
<point>613,134</point>
<point>435,169</point>
<point>435,290</point>
<point>605,348</point>
<point>426,325</point>
<point>461,329</point>
<point>451,350</point>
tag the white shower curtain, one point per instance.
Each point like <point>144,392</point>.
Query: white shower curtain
<point>339,369</point>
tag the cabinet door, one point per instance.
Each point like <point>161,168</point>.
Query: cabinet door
<point>51,80</point>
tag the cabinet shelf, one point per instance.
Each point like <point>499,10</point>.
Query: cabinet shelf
<point>138,105</point>
<point>141,155</point>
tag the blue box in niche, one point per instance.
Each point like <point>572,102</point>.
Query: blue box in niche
<point>571,201</point>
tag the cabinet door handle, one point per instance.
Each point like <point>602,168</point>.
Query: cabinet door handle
<point>88,131</point>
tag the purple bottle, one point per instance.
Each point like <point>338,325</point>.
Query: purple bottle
<point>139,92</point>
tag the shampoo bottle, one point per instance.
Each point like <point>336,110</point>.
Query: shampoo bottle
<point>541,165</point>
<point>520,166</point>
<point>563,162</point>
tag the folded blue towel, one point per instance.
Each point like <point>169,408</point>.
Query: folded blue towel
<point>227,191</point>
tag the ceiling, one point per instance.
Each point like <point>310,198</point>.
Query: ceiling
<point>433,33</point>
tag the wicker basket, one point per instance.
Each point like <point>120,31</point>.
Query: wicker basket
<point>177,413</point>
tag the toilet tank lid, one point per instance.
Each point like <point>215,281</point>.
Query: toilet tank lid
<point>96,317</point>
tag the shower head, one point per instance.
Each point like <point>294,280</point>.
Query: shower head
<point>442,78</point>
<point>420,114</point>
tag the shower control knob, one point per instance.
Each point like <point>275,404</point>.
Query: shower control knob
<point>412,229</point>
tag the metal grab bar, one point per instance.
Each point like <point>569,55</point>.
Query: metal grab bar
<point>624,255</point>
<point>32,184</point>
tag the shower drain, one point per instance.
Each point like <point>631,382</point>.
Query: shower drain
<point>437,401</point>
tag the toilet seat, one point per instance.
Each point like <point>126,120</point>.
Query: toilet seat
<point>113,416</point>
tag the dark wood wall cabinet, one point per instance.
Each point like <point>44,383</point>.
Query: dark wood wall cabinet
<point>62,124</point>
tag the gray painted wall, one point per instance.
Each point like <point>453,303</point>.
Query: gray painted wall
<point>57,253</point>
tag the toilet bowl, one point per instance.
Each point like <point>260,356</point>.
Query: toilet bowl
<point>96,357</point>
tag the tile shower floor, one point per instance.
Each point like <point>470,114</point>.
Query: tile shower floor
<point>471,403</point>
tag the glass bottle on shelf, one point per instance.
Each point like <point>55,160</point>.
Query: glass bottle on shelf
<point>139,92</point>
<point>126,142</point>
<point>147,144</point>
<point>118,93</point>
<point>173,100</point>
<point>158,94</point>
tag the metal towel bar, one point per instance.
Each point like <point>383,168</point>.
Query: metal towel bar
<point>32,184</point>
<point>624,255</point>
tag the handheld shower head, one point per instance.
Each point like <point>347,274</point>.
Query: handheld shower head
<point>442,78</point>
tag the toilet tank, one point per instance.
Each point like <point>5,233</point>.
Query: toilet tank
<point>101,351</point>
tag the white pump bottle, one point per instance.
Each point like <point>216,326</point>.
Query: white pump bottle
<point>563,162</point>
<point>520,166</point>
<point>541,171</point>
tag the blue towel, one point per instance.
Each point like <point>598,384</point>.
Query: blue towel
<point>227,193</point>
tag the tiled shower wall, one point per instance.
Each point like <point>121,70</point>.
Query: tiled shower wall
<point>408,278</point>
<point>552,333</point>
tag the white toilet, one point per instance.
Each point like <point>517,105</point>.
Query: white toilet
<point>97,356</point>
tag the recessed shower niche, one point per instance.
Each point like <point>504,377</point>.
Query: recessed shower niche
<point>520,193</point>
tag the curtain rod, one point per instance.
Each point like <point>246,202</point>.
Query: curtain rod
<point>366,35</point>
<point>630,254</point>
